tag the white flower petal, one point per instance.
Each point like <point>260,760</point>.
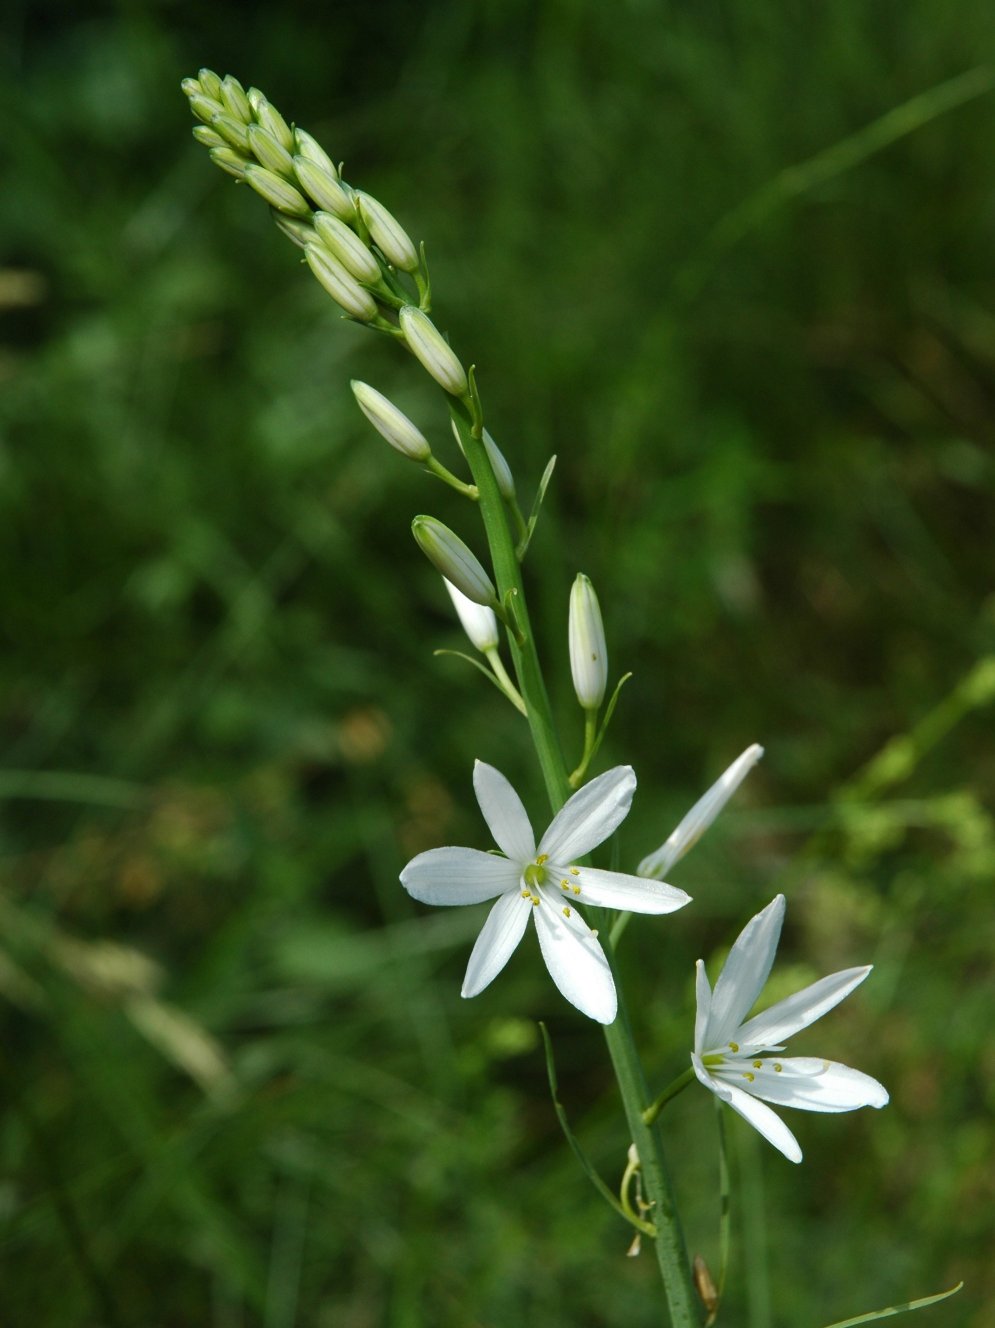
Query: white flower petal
<point>701,815</point>
<point>459,876</point>
<point>766,1122</point>
<point>712,1084</point>
<point>575,960</point>
<point>590,816</point>
<point>775,1025</point>
<point>745,972</point>
<point>497,941</point>
<point>503,811</point>
<point>617,890</point>
<point>817,1085</point>
<point>703,996</point>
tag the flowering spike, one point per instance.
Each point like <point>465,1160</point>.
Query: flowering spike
<point>430,347</point>
<point>387,233</point>
<point>348,248</point>
<point>343,288</point>
<point>391,423</point>
<point>588,651</point>
<point>324,189</point>
<point>269,152</point>
<point>450,556</point>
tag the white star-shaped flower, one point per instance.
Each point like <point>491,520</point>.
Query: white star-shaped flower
<point>739,1062</point>
<point>545,883</point>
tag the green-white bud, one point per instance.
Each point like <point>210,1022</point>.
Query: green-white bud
<point>701,816</point>
<point>344,289</point>
<point>308,146</point>
<point>430,347</point>
<point>502,471</point>
<point>269,153</point>
<point>295,229</point>
<point>270,118</point>
<point>348,248</point>
<point>233,96</point>
<point>391,423</point>
<point>209,137</point>
<point>205,108</point>
<point>276,191</point>
<point>210,83</point>
<point>387,233</point>
<point>478,621</point>
<point>232,131</point>
<point>588,652</point>
<point>449,555</point>
<point>190,87</point>
<point>324,189</point>
<point>229,160</point>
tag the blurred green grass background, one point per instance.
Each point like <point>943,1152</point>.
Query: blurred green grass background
<point>239,1085</point>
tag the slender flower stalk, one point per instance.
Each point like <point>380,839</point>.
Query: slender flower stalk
<point>738,1058</point>
<point>544,883</point>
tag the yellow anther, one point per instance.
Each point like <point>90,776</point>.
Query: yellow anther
<point>526,894</point>
<point>564,885</point>
<point>734,1046</point>
<point>543,857</point>
<point>758,1065</point>
<point>778,1068</point>
<point>566,910</point>
<point>574,871</point>
<point>535,901</point>
<point>576,889</point>
<point>748,1076</point>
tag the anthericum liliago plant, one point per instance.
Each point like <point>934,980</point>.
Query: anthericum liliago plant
<point>363,257</point>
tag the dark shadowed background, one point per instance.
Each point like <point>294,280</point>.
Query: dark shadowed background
<point>732,263</point>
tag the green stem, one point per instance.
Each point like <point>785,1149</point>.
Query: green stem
<point>671,1254</point>
<point>677,1086</point>
<point>590,745</point>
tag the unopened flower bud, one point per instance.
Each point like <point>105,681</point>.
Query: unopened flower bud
<point>387,233</point>
<point>324,189</point>
<point>232,131</point>
<point>191,87</point>
<point>348,248</point>
<point>270,118</point>
<point>343,288</point>
<point>390,422</point>
<point>430,347</point>
<point>209,137</point>
<point>701,816</point>
<point>210,83</point>
<point>276,191</point>
<point>588,651</point>
<point>308,146</point>
<point>450,556</point>
<point>233,96</point>
<point>295,229</point>
<point>478,621</point>
<point>269,153</point>
<point>229,160</point>
<point>205,108</point>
